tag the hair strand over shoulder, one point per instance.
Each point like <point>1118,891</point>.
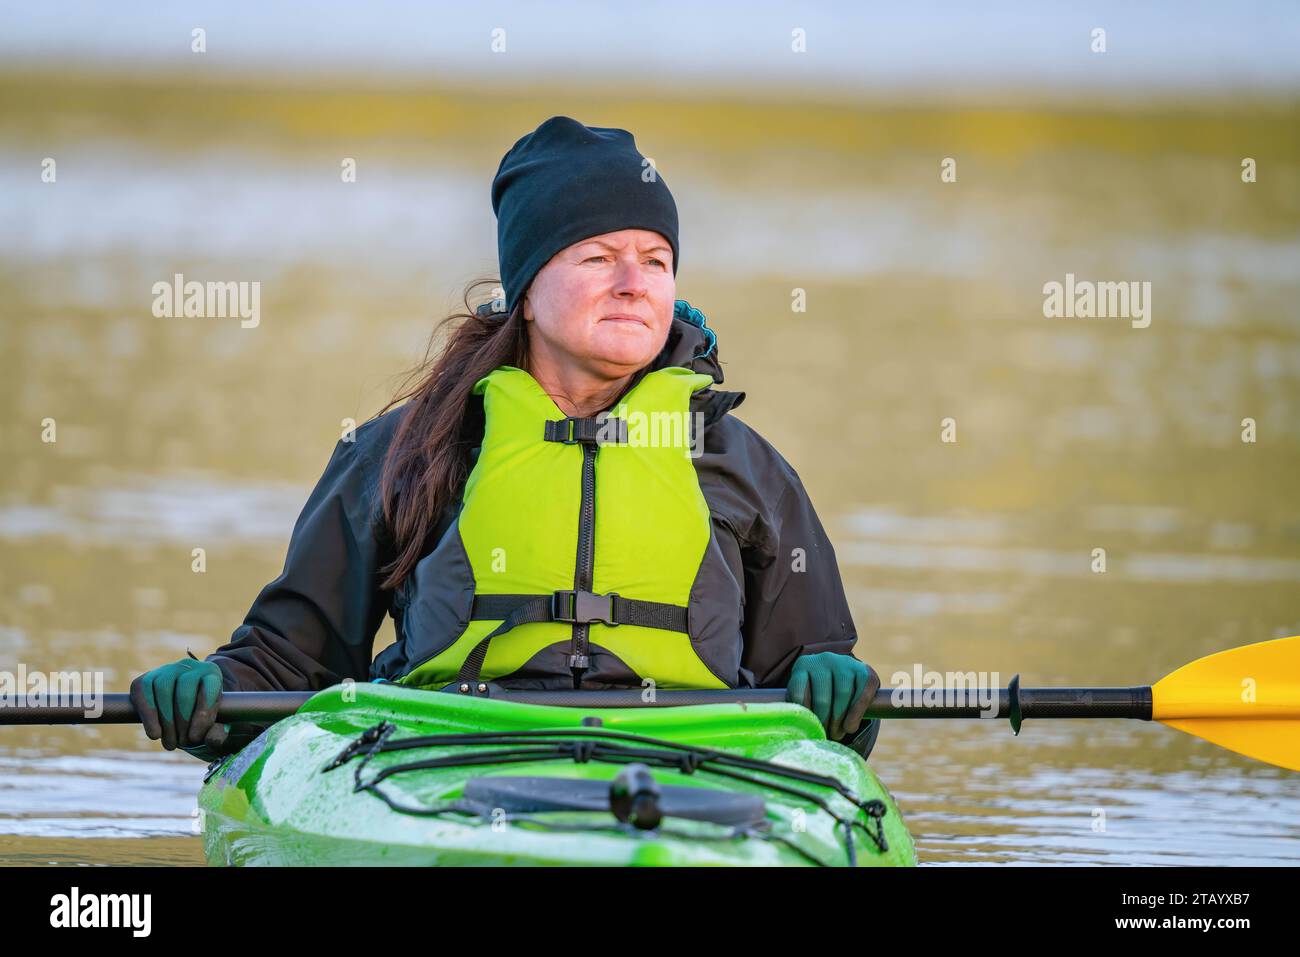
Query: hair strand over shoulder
<point>427,461</point>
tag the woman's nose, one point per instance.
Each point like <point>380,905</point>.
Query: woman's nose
<point>629,277</point>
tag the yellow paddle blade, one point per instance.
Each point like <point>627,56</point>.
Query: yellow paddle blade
<point>1246,700</point>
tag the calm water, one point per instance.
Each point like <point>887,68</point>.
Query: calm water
<point>924,302</point>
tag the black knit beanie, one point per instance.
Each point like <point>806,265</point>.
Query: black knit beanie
<point>565,182</point>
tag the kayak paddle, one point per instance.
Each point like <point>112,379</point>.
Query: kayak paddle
<point>1245,699</point>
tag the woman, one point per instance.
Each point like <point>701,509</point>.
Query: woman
<point>520,519</point>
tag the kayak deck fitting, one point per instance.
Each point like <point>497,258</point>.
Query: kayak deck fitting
<point>384,774</point>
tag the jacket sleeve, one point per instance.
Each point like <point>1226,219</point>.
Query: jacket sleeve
<point>794,597</point>
<point>315,624</point>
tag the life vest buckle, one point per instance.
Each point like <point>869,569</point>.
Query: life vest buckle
<point>562,431</point>
<point>604,429</point>
<point>583,607</point>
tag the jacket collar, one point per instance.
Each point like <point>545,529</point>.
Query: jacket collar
<point>692,345</point>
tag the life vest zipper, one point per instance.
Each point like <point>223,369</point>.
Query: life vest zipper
<point>579,657</point>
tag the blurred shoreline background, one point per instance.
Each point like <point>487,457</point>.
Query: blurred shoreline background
<point>817,171</point>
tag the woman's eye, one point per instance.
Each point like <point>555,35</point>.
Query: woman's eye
<point>591,259</point>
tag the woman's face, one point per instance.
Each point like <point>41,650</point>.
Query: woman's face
<point>605,303</point>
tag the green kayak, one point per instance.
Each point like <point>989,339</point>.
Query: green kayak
<point>383,774</point>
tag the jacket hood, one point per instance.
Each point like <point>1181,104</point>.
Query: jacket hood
<point>692,345</point>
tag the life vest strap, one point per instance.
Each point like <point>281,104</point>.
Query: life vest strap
<point>565,605</point>
<point>584,608</point>
<point>603,430</point>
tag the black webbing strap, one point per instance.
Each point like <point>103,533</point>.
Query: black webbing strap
<point>568,606</point>
<point>537,608</point>
<point>598,431</point>
<point>584,607</point>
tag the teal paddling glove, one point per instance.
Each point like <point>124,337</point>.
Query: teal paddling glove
<point>837,688</point>
<point>178,703</point>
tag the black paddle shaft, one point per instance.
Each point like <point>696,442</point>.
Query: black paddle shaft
<point>1012,702</point>
<point>236,706</point>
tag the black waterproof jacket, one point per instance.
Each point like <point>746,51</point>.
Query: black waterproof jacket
<point>315,624</point>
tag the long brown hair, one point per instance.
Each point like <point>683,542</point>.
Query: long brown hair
<point>428,459</point>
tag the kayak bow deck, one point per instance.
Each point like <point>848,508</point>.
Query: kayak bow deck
<point>383,774</point>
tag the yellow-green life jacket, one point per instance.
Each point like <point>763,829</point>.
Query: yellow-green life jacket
<point>581,532</point>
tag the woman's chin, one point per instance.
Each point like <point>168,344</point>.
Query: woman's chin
<point>625,346</point>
